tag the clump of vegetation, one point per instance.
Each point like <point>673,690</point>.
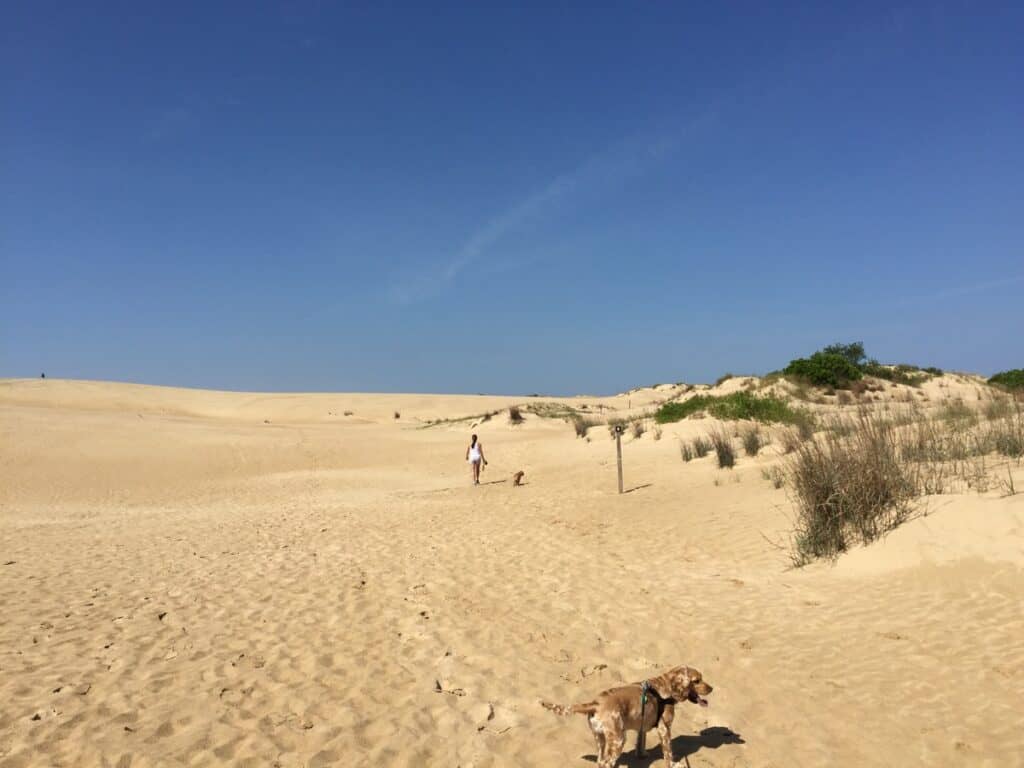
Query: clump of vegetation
<point>957,412</point>
<point>998,408</point>
<point>790,441</point>
<point>723,378</point>
<point>685,451</point>
<point>853,352</point>
<point>752,441</point>
<point>910,375</point>
<point>582,424</point>
<point>637,428</point>
<point>614,423</point>
<point>701,447</point>
<point>550,410</point>
<point>1007,435</point>
<point>841,365</point>
<point>775,475</point>
<point>847,490</point>
<point>734,407</point>
<point>656,433</point>
<point>474,419</point>
<point>515,415</point>
<point>861,477</point>
<point>723,449</point>
<point>1012,380</point>
<point>824,370</point>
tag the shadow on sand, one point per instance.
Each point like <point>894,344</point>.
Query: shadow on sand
<point>637,488</point>
<point>682,747</point>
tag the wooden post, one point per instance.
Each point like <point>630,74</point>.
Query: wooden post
<point>618,453</point>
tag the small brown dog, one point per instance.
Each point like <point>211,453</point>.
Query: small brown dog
<point>517,478</point>
<point>618,710</point>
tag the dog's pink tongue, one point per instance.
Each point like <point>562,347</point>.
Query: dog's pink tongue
<point>703,702</point>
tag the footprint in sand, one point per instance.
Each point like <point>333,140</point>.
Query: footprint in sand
<point>235,697</point>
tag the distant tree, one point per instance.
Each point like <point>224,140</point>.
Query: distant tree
<point>854,352</point>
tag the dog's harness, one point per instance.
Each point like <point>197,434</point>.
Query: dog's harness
<point>645,689</point>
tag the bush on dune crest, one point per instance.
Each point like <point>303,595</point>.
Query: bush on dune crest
<point>840,365</point>
<point>735,407</point>
<point>824,370</point>
<point>1012,379</point>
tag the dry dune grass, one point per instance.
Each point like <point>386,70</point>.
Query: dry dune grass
<point>206,578</point>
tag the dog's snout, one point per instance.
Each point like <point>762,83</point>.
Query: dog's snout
<point>703,688</point>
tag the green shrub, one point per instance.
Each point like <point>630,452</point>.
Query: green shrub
<point>723,378</point>
<point>680,409</point>
<point>824,370</point>
<point>853,353</point>
<point>910,375</point>
<point>1012,379</point>
<point>734,407</point>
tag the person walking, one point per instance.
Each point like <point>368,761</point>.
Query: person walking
<point>475,457</point>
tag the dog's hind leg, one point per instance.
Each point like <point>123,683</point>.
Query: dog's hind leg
<point>615,742</point>
<point>599,740</point>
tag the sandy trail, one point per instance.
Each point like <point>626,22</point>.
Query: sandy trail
<point>195,578</point>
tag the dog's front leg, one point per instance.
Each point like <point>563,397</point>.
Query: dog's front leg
<point>666,742</point>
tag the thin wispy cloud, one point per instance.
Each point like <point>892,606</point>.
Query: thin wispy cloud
<point>964,290</point>
<point>599,174</point>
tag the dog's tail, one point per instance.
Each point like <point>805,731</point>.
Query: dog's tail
<point>573,709</point>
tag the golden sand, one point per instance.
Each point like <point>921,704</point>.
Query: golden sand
<point>208,578</point>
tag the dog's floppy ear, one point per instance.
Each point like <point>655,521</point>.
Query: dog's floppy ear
<point>674,684</point>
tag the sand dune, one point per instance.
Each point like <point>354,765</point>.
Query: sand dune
<point>212,578</point>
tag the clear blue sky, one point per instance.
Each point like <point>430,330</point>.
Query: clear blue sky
<point>432,197</point>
